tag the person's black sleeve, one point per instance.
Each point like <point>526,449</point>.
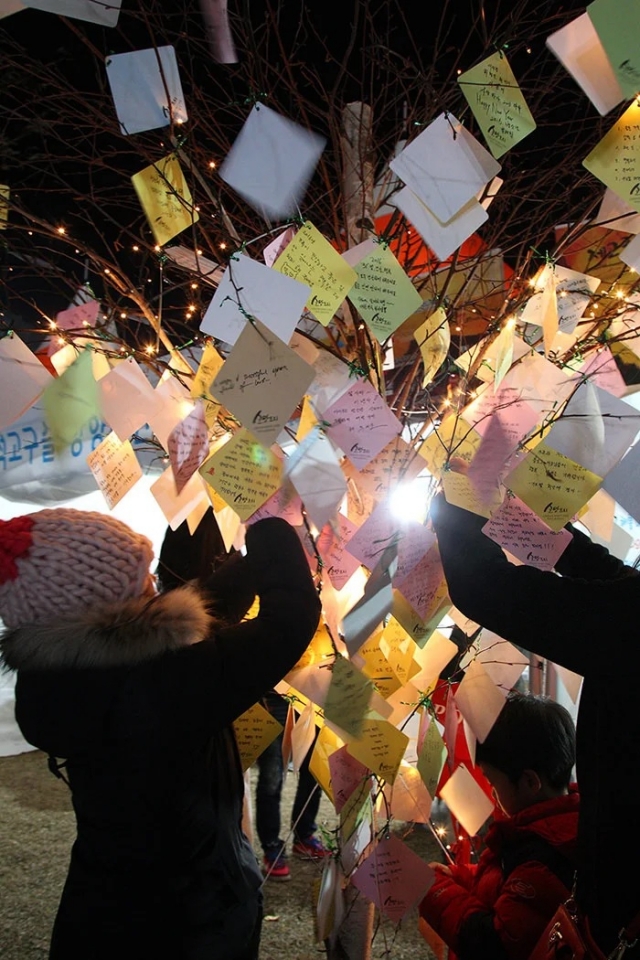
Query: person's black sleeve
<point>589,561</point>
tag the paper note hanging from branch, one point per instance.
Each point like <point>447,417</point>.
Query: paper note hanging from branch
<point>244,473</point>
<point>434,339</point>
<point>255,729</point>
<point>617,23</point>
<point>616,159</point>
<point>146,89</point>
<point>383,293</point>
<point>394,878</point>
<point>23,378</point>
<point>115,467</point>
<point>71,401</point>
<point>165,197</point>
<point>497,103</point>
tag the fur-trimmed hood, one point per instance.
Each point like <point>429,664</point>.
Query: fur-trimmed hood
<point>111,635</point>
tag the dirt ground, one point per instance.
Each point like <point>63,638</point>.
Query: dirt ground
<point>36,832</point>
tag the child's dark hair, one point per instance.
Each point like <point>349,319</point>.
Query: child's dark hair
<point>531,733</point>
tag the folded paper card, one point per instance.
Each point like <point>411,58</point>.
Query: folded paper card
<point>146,89</point>
<point>23,378</point>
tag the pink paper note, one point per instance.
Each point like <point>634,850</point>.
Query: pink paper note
<point>273,250</point>
<point>82,315</point>
<point>347,774</point>
<point>394,878</point>
<point>381,530</point>
<point>216,18</point>
<point>420,586</point>
<point>188,446</point>
<point>361,423</point>
<point>284,503</point>
<point>338,563</point>
<point>601,369</point>
<point>520,531</point>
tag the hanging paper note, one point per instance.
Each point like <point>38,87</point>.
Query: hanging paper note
<point>284,503</point>
<point>397,463</point>
<point>616,159</point>
<point>308,419</point>
<point>579,49</point>
<point>467,800</point>
<point>176,507</point>
<point>479,700</point>
<point>338,564</point>
<point>408,798</point>
<point>615,214</point>
<point>617,23</point>
<point>165,198</point>
<point>105,14</point>
<point>380,747</point>
<point>424,585</point>
<point>250,289</point>
<point>254,731</point>
<point>71,401</point>
<point>262,382</point>
<point>115,467</point>
<point>442,237</point>
<point>4,205</point>
<point>79,316</point>
<point>503,662</point>
<point>431,757</point>
<point>347,774</point>
<point>524,535</point>
<point>432,659</point>
<point>361,423</point>
<point>194,262</point>
<point>273,250</point>
<point>453,438</point>
<point>348,698</point>
<point>496,101</point>
<point>271,162</point>
<point>22,378</point>
<point>332,379</point>
<point>244,473</point>
<point>382,530</point>
<point>311,259</point>
<point>383,293</point>
<point>188,445</point>
<point>140,83</point>
<point>553,486</point>
<point>210,365</point>
<point>434,339</point>
<point>219,36</point>
<point>314,470</point>
<point>394,878</point>
<point>326,744</point>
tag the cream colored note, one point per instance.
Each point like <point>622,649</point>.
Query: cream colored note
<point>432,659</point>
<point>434,339</point>
<point>254,731</point>
<point>467,800</point>
<point>244,473</point>
<point>165,198</point>
<point>578,47</point>
<point>497,103</point>
<point>22,378</point>
<point>383,294</point>
<point>552,486</point>
<point>127,398</point>
<point>377,667</point>
<point>418,629</point>
<point>348,698</point>
<point>479,700</point>
<point>431,757</point>
<point>262,382</point>
<point>615,160</point>
<point>177,507</point>
<point>326,744</point>
<point>71,400</point>
<point>502,661</point>
<point>408,799</point>
<point>311,259</point>
<point>115,467</point>
<point>380,746</point>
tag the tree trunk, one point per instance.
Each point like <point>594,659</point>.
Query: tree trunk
<point>357,172</point>
<point>353,941</point>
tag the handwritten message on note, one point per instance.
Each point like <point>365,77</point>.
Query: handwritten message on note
<point>361,423</point>
<point>383,293</point>
<point>348,698</point>
<point>423,586</point>
<point>165,198</point>
<point>244,473</point>
<point>382,530</point>
<point>311,259</point>
<point>522,533</point>
<point>431,757</point>
<point>554,487</point>
<point>347,774</point>
<point>616,159</point>
<point>188,445</point>
<point>434,339</point>
<point>376,666</point>
<point>262,382</point>
<point>78,317</point>
<point>496,102</point>
<point>394,878</point>
<point>255,730</point>
<point>115,467</point>
<point>338,564</point>
<point>380,746</point>
<point>208,368</point>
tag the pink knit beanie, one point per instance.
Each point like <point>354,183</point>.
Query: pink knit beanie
<point>60,561</point>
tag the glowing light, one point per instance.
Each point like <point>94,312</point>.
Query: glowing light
<point>53,324</point>
<point>222,246</point>
<point>411,501</point>
<point>194,286</point>
<point>61,230</point>
<point>157,247</point>
<point>212,164</point>
<point>150,349</point>
<point>135,248</point>
<point>123,316</point>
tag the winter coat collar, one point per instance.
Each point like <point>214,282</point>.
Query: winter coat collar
<point>112,635</point>
<point>554,820</point>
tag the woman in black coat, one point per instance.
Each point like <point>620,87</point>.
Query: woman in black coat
<point>586,620</point>
<point>137,692</point>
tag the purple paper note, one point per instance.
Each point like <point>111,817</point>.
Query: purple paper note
<point>361,423</point>
<point>83,315</point>
<point>381,530</point>
<point>394,878</point>
<point>338,563</point>
<point>519,531</point>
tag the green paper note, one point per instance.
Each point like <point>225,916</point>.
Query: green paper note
<point>497,103</point>
<point>71,401</point>
<point>383,293</point>
<point>617,23</point>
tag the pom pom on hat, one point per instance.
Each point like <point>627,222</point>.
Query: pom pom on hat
<point>61,561</point>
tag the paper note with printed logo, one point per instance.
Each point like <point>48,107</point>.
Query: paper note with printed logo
<point>22,376</point>
<point>140,82</point>
<point>262,382</point>
<point>523,534</point>
<point>165,198</point>
<point>361,423</point>
<point>616,159</point>
<point>248,288</point>
<point>243,472</point>
<point>497,103</point>
<point>394,878</point>
<point>579,49</point>
<point>255,730</point>
<point>380,747</point>
<point>115,467</point>
<point>311,260</point>
<point>71,400</point>
<point>383,294</point>
<point>271,162</point>
<point>617,23</point>
<point>445,166</point>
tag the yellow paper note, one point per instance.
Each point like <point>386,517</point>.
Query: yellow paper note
<point>399,649</point>
<point>326,744</point>
<point>348,697</point>
<point>383,294</point>
<point>459,491</point>
<point>418,629</point>
<point>311,259</point>
<point>71,400</point>
<point>165,198</point>
<point>431,758</point>
<point>434,339</point>
<point>496,102</point>
<point>453,438</point>
<point>377,667</point>
<point>320,650</point>
<point>554,487</point>
<point>616,159</point>
<point>244,473</point>
<point>380,747</point>
<point>308,419</point>
<point>115,467</point>
<point>210,366</point>
<point>4,205</point>
<point>255,730</point>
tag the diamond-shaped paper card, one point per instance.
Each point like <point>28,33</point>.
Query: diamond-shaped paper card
<point>139,83</point>
<point>188,445</point>
<point>78,316</point>
<point>71,400</point>
<point>523,534</point>
<point>381,530</point>
<point>579,49</point>
<point>271,162</point>
<point>262,382</point>
<point>311,259</point>
<point>127,399</point>
<point>443,238</point>
<point>314,471</point>
<point>617,23</point>
<point>394,878</point>
<point>165,198</point>
<point>22,378</point>
<point>361,423</point>
<point>497,103</point>
<point>445,167</point>
<point>615,160</point>
<point>249,288</point>
<point>244,473</point>
<point>115,467</point>
<point>383,294</point>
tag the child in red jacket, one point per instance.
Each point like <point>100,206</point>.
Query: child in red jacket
<point>499,907</point>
